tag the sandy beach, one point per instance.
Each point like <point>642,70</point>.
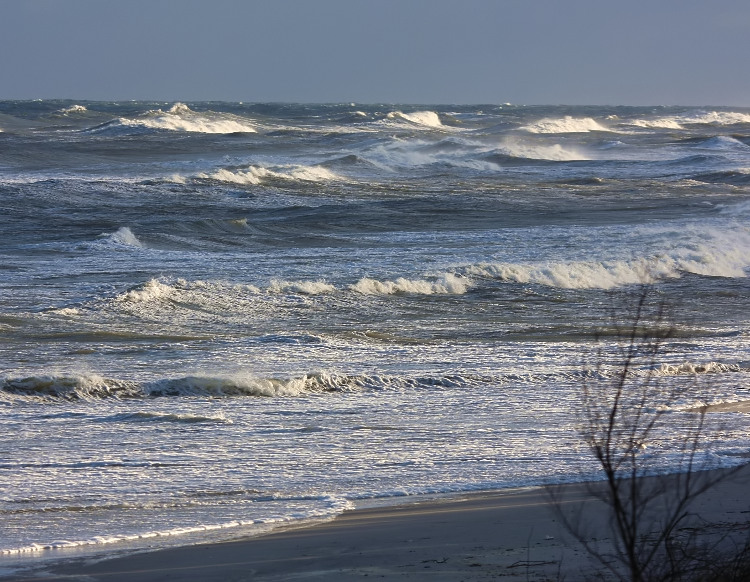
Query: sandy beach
<point>508,535</point>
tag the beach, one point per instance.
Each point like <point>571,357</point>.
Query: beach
<point>510,535</point>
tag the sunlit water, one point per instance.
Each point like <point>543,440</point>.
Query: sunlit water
<point>219,317</point>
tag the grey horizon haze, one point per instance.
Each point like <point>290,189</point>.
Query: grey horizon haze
<point>660,52</point>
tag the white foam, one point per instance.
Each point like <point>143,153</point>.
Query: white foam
<point>73,109</point>
<point>447,284</point>
<point>423,118</point>
<point>566,124</point>
<point>150,291</point>
<point>181,118</point>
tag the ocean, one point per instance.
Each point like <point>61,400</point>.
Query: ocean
<point>218,318</point>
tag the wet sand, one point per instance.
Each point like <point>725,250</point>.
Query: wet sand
<point>508,535</point>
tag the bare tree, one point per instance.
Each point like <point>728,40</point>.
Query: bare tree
<point>627,422</point>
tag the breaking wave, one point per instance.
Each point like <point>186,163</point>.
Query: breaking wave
<point>73,109</point>
<point>304,287</point>
<point>691,368</point>
<point>728,262</point>
<point>420,118</point>
<point>447,284</point>
<point>555,152</point>
<point>165,417</point>
<point>723,143</point>
<point>123,236</point>
<point>90,387</point>
<point>181,118</point>
<point>739,177</point>
<point>566,124</point>
<point>71,387</point>
<point>719,118</point>
<point>254,175</point>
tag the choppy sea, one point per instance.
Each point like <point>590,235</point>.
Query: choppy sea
<point>216,318</point>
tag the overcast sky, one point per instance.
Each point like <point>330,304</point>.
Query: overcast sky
<point>650,52</point>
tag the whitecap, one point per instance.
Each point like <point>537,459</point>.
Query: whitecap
<point>73,109</point>
<point>422,118</point>
<point>123,236</point>
<point>717,118</point>
<point>554,152</point>
<point>722,258</point>
<point>657,123</point>
<point>447,284</point>
<point>254,175</point>
<point>181,118</point>
<point>692,368</point>
<point>565,124</point>
<point>150,291</point>
<point>305,287</point>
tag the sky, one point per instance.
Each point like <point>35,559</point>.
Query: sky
<point>586,52</point>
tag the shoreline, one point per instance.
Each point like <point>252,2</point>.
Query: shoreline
<point>512,533</point>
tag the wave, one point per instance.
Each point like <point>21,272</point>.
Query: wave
<point>565,124</point>
<point>729,260</point>
<point>718,118</point>
<point>737,209</point>
<point>255,175</point>
<point>91,387</point>
<point>304,287</point>
<point>71,387</point>
<point>658,123</point>
<point>447,284</point>
<point>723,143</point>
<point>327,508</point>
<point>180,118</point>
<point>165,417</point>
<point>740,177</point>
<point>73,109</point>
<point>691,368</point>
<point>519,150</point>
<point>428,119</point>
<point>149,291</point>
<point>123,236</point>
